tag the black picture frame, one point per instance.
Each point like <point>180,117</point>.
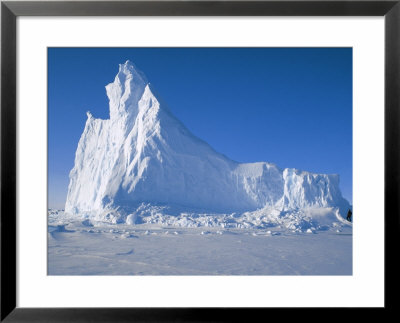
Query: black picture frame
<point>10,10</point>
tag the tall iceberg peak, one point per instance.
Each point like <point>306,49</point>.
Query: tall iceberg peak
<point>125,92</point>
<point>143,154</point>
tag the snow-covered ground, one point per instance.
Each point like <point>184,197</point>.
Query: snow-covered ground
<point>195,244</point>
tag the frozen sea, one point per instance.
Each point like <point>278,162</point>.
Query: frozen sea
<point>80,247</point>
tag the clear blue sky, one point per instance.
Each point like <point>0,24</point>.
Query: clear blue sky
<point>288,106</point>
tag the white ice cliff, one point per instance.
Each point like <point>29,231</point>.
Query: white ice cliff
<point>143,154</point>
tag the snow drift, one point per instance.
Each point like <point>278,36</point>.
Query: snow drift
<point>143,155</point>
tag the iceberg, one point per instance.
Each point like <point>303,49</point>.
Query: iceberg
<point>143,154</point>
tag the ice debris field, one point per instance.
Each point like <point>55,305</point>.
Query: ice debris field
<point>199,245</point>
<point>147,197</point>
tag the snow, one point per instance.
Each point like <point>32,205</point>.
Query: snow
<point>143,156</point>
<point>154,249</point>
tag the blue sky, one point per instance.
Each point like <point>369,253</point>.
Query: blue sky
<point>288,106</point>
